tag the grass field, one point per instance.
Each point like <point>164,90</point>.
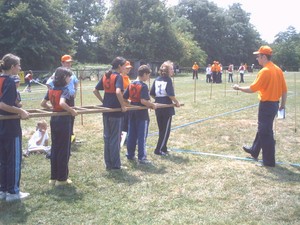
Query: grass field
<point>206,179</point>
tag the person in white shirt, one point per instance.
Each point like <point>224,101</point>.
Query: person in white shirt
<point>39,140</point>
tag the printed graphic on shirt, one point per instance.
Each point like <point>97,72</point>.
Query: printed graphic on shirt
<point>160,88</point>
<point>135,92</point>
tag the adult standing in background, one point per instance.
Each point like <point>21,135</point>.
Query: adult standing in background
<point>230,73</point>
<point>271,86</point>
<point>66,61</point>
<point>195,69</point>
<point>208,73</point>
<point>10,132</point>
<point>242,72</point>
<point>214,70</point>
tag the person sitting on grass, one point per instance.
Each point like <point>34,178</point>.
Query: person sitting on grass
<point>38,143</point>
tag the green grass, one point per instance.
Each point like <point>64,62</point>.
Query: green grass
<point>182,188</point>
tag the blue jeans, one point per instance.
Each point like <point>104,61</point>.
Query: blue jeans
<point>137,133</point>
<point>264,139</point>
<point>112,137</point>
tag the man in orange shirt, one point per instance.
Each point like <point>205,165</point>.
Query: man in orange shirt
<point>195,70</point>
<point>271,86</point>
<point>215,70</point>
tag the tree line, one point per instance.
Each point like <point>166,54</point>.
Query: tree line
<point>40,31</point>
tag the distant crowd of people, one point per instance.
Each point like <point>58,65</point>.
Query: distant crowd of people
<point>214,72</point>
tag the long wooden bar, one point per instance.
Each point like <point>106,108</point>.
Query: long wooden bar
<point>33,113</point>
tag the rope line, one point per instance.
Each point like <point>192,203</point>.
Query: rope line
<point>228,156</point>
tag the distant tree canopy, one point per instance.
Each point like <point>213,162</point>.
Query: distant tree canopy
<point>40,31</point>
<point>35,30</point>
<point>286,49</point>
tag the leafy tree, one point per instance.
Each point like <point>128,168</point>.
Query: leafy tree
<point>207,20</point>
<point>225,35</point>
<point>86,14</point>
<point>286,49</point>
<point>241,38</point>
<point>35,30</point>
<point>191,49</point>
<point>139,29</point>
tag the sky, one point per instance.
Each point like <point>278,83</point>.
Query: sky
<point>269,17</point>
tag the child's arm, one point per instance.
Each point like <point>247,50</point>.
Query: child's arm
<point>98,95</point>
<point>65,106</point>
<point>12,109</point>
<point>45,104</point>
<point>148,103</point>
<point>173,98</point>
<point>121,100</point>
<point>43,132</point>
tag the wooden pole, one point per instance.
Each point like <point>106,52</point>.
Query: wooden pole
<point>33,113</point>
<point>211,84</point>
<point>195,89</point>
<point>225,83</point>
<point>295,85</point>
<point>80,84</point>
<point>237,81</point>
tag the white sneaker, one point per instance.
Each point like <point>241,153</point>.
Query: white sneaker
<point>14,197</point>
<point>123,138</point>
<point>2,195</point>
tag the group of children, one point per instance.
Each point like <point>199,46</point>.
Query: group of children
<point>136,93</point>
<point>115,96</point>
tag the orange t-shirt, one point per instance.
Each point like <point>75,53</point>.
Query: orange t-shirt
<point>126,81</point>
<point>195,67</point>
<point>269,83</point>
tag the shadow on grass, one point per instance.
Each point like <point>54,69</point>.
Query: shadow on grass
<point>121,176</point>
<point>67,193</point>
<point>9,210</point>
<point>281,174</point>
<point>150,168</point>
<point>176,158</point>
<point>125,175</point>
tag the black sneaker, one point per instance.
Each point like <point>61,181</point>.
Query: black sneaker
<point>249,150</point>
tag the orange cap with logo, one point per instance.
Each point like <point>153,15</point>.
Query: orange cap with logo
<point>265,50</point>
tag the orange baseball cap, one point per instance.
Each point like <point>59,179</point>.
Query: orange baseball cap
<point>128,65</point>
<point>66,58</point>
<point>265,50</point>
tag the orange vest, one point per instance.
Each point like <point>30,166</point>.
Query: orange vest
<point>109,84</point>
<point>135,92</point>
<point>54,98</point>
